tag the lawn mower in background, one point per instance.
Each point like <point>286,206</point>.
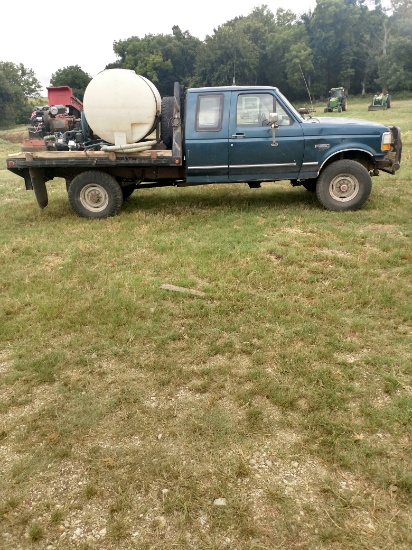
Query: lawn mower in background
<point>380,102</point>
<point>58,125</point>
<point>337,100</point>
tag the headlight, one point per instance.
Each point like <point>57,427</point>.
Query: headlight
<point>386,141</point>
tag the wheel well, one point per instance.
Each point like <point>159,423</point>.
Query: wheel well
<point>359,156</point>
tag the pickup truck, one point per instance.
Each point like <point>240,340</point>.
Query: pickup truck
<point>212,135</point>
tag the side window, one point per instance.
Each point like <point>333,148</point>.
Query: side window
<point>254,109</point>
<point>209,112</point>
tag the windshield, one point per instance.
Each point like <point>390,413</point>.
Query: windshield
<point>290,107</point>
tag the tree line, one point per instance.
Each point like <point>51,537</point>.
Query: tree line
<point>362,45</point>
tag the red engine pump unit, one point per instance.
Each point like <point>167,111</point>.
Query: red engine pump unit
<point>58,124</point>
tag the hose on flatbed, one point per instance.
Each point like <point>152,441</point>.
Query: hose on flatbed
<point>129,147</point>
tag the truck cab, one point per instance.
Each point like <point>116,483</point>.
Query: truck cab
<point>254,134</point>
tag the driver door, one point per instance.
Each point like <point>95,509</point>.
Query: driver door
<point>253,153</point>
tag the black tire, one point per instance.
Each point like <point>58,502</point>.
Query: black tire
<point>127,190</point>
<point>166,126</point>
<point>95,194</point>
<point>344,185</point>
<point>344,105</point>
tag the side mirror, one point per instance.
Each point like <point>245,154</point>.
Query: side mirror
<point>273,118</point>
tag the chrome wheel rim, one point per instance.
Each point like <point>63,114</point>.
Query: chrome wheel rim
<point>94,197</point>
<point>344,188</point>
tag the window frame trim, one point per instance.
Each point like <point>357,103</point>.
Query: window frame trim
<point>219,125</point>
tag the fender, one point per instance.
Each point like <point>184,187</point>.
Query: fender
<point>313,169</point>
<point>346,150</point>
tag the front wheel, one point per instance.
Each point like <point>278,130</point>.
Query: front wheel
<point>344,185</point>
<point>95,194</point>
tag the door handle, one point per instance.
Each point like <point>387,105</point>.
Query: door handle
<point>234,136</point>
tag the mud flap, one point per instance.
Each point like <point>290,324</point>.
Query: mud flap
<point>39,185</point>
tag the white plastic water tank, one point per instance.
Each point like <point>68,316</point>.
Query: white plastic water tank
<point>120,106</point>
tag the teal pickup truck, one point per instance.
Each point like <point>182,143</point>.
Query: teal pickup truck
<point>212,135</point>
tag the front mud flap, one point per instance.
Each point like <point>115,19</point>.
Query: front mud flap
<point>39,185</point>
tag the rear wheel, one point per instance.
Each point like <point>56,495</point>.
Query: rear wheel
<point>95,194</point>
<point>344,185</point>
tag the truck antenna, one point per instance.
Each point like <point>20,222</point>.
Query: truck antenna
<point>307,87</point>
<point>234,71</point>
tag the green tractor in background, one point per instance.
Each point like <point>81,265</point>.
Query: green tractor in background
<point>337,100</point>
<point>380,102</point>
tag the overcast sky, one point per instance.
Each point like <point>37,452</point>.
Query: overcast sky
<point>48,36</point>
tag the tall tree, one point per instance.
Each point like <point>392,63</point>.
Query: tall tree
<point>334,36</point>
<point>23,77</point>
<point>17,84</point>
<point>289,53</point>
<point>258,27</point>
<point>9,99</point>
<point>372,30</point>
<point>74,77</point>
<point>395,62</point>
<point>402,7</point>
<point>163,59</point>
<point>228,57</point>
<point>237,51</point>
<point>31,86</point>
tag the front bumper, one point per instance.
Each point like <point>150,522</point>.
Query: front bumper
<point>392,162</point>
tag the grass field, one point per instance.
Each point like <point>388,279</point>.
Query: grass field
<point>262,402</point>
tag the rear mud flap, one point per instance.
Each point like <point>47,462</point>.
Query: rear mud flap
<point>39,185</point>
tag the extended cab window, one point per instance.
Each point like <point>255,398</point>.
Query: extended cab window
<point>254,109</point>
<point>209,113</point>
